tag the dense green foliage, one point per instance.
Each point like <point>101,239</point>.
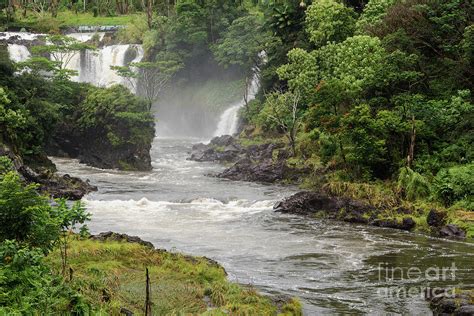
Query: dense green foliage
<point>33,108</point>
<point>29,229</point>
<point>386,93</point>
<point>116,114</point>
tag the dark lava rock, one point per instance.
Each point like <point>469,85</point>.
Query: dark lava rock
<point>95,150</point>
<point>308,203</point>
<point>56,186</point>
<point>121,237</point>
<point>223,141</point>
<point>252,163</point>
<point>339,208</point>
<point>452,231</point>
<point>50,183</point>
<point>266,171</point>
<point>458,304</point>
<point>407,223</point>
<point>224,149</point>
<point>436,218</point>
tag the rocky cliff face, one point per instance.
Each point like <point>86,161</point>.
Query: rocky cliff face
<point>94,149</point>
<point>49,182</point>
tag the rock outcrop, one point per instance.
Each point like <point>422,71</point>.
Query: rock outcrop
<point>457,304</point>
<point>121,237</point>
<point>97,151</point>
<point>321,204</point>
<point>437,220</point>
<point>50,183</point>
<point>256,163</point>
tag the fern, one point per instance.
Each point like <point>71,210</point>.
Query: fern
<point>413,185</point>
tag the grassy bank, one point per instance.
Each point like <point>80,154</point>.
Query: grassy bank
<point>46,24</point>
<point>111,275</point>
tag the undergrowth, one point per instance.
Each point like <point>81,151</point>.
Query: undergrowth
<point>111,275</point>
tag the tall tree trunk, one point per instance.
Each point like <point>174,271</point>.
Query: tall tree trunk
<point>54,8</point>
<point>10,11</point>
<point>246,94</point>
<point>25,5</point>
<point>149,13</point>
<point>411,151</point>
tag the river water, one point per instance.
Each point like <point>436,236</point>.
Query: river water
<point>334,268</point>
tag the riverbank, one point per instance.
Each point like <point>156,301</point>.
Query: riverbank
<point>376,204</point>
<point>108,270</point>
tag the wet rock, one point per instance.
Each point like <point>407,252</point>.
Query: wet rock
<point>407,223</point>
<point>436,218</point>
<point>458,304</point>
<point>340,208</point>
<point>121,237</point>
<point>50,183</point>
<point>257,163</point>
<point>266,171</point>
<point>223,149</point>
<point>309,203</point>
<point>223,141</point>
<point>452,231</point>
<point>86,146</point>
<point>466,310</point>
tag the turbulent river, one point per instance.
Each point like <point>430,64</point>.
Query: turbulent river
<point>332,267</point>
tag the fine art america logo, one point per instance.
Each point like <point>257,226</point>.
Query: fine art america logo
<point>402,282</point>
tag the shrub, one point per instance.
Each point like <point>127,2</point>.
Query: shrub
<point>456,184</point>
<point>27,286</point>
<point>24,215</point>
<point>412,184</point>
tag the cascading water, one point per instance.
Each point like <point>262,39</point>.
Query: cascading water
<point>92,66</point>
<point>18,52</point>
<point>229,119</point>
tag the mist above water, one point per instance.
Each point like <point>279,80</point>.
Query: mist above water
<point>180,112</point>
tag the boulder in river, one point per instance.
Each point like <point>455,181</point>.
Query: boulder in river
<point>457,304</point>
<point>312,203</point>
<point>436,218</point>
<point>452,231</point>
<point>321,204</point>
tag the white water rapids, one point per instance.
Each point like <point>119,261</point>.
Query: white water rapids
<point>331,266</point>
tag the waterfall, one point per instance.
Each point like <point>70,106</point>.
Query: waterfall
<point>229,119</point>
<point>18,53</point>
<point>94,66</point>
<point>91,66</point>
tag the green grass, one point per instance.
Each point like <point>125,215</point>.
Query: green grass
<point>111,275</point>
<point>45,23</point>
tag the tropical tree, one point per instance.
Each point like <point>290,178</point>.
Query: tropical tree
<point>61,50</point>
<point>149,79</point>
<point>329,21</point>
<point>282,111</point>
